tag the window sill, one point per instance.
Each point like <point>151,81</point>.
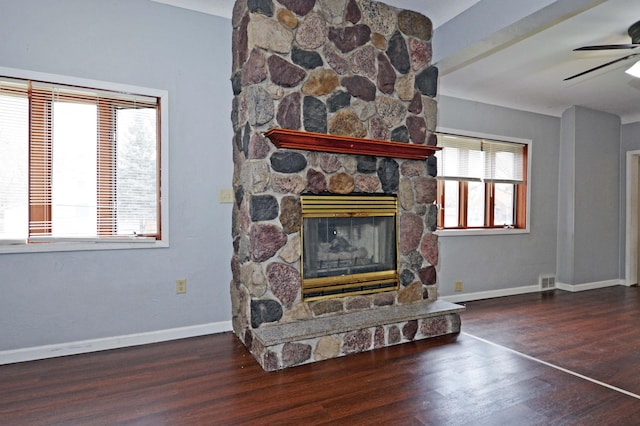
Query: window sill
<point>7,247</point>
<point>476,232</point>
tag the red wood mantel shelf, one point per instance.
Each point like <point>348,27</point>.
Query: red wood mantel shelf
<point>310,141</point>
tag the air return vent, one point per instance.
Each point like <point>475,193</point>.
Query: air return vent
<point>547,282</point>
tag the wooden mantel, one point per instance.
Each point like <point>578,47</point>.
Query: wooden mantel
<point>310,141</point>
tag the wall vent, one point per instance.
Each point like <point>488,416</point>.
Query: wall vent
<point>547,282</point>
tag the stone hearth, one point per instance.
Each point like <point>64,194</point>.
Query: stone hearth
<point>356,68</point>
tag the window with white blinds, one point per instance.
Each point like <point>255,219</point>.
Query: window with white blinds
<point>77,162</point>
<point>474,159</point>
<point>481,183</point>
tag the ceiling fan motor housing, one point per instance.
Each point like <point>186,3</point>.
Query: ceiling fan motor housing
<point>634,33</point>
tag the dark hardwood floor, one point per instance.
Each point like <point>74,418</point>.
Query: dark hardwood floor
<point>594,333</point>
<point>212,380</point>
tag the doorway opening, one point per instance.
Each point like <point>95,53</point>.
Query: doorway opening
<point>632,234</point>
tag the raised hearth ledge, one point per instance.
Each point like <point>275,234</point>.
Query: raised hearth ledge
<point>281,333</point>
<point>310,141</point>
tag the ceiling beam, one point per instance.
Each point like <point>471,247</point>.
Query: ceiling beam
<point>491,25</point>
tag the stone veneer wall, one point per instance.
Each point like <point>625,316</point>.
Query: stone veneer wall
<point>350,67</point>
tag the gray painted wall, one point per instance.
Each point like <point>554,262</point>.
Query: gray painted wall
<point>596,196</point>
<point>588,238</point>
<point>566,195</point>
<point>505,261</point>
<point>48,298</point>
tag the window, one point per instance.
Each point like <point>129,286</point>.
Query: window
<point>481,183</point>
<point>78,163</point>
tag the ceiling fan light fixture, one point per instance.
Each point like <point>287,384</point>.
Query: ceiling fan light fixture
<point>634,70</point>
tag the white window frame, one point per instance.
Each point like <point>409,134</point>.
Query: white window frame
<point>87,244</point>
<point>493,231</point>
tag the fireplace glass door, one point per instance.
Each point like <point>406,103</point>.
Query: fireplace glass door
<point>349,245</point>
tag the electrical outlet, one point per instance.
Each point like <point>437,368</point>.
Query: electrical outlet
<point>225,196</point>
<point>458,286</point>
<point>181,286</point>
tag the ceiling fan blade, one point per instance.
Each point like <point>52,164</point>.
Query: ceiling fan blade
<point>608,47</point>
<point>624,58</point>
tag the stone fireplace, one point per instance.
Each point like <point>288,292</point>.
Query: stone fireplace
<point>334,179</point>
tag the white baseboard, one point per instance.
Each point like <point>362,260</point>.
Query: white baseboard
<point>489,294</point>
<point>588,286</point>
<point>115,342</point>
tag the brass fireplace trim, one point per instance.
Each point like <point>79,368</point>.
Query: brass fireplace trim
<point>318,206</point>
<point>348,205</point>
<point>350,285</point>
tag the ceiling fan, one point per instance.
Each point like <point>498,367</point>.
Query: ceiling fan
<point>634,33</point>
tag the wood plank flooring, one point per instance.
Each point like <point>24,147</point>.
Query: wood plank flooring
<point>594,333</point>
<point>212,380</point>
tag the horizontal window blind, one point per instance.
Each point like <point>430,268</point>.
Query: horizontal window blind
<point>14,160</point>
<point>475,159</point>
<point>92,160</point>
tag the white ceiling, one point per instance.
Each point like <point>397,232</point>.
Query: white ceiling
<point>439,11</point>
<point>528,73</point>
<point>516,53</point>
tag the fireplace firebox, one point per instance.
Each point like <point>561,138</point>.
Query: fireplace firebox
<point>349,245</point>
